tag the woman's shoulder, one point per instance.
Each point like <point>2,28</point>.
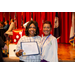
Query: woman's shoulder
<point>38,37</point>
<point>24,36</point>
<point>52,37</point>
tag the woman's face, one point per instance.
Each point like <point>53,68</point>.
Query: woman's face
<point>46,29</point>
<point>32,30</point>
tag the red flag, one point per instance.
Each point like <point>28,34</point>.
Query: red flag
<point>42,21</point>
<point>34,16</point>
<point>28,15</point>
<point>22,20</point>
<point>9,18</point>
<point>15,19</point>
<point>48,16</point>
<point>3,16</point>
<point>24,17</point>
<point>39,19</point>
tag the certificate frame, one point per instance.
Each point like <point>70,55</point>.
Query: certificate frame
<point>31,53</point>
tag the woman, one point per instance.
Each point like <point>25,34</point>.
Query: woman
<point>48,45</point>
<point>10,30</point>
<point>31,32</point>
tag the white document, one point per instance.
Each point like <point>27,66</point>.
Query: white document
<point>30,48</point>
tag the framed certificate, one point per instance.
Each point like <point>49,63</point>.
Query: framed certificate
<point>30,48</point>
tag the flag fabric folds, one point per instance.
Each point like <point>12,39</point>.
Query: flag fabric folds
<point>41,24</point>
<point>42,19</point>
<point>56,27</point>
<point>9,18</point>
<point>3,16</point>
<point>15,19</point>
<point>72,31</point>
<point>22,20</point>
<point>31,16</point>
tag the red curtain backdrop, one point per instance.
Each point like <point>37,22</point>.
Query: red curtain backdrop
<point>65,20</point>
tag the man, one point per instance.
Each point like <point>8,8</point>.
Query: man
<point>11,28</point>
<point>4,46</point>
<point>6,25</point>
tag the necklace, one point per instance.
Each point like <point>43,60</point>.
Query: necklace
<point>44,42</point>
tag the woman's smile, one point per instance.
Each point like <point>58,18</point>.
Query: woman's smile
<point>32,30</point>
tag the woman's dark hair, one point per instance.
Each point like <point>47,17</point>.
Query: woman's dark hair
<point>48,22</point>
<point>12,20</point>
<point>28,25</point>
<point>7,21</point>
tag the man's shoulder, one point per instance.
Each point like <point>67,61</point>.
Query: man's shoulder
<point>13,23</point>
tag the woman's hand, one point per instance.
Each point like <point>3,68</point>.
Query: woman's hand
<point>19,53</point>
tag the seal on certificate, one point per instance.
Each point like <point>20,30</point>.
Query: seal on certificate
<point>24,53</point>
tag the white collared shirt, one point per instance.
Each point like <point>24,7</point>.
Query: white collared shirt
<point>49,49</point>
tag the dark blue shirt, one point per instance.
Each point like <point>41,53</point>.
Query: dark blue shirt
<point>6,27</point>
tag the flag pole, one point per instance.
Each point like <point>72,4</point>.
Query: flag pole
<point>74,28</point>
<point>22,20</point>
<point>73,45</point>
<point>74,39</point>
<point>74,33</point>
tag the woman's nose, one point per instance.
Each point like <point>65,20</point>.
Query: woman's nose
<point>32,28</point>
